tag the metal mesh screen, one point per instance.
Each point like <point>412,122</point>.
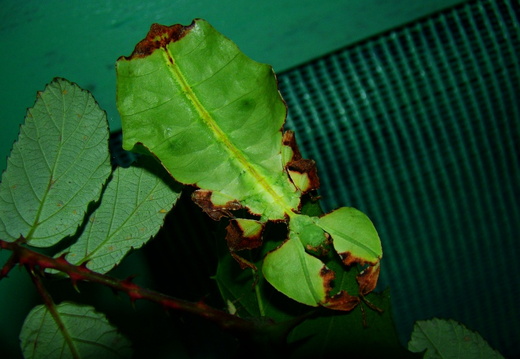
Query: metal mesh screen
<point>418,128</point>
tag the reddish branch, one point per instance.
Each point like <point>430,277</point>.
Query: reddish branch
<point>33,261</point>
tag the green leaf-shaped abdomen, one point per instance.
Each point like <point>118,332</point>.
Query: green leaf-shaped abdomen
<point>210,114</point>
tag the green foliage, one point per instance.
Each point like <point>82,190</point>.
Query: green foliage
<point>134,205</point>
<point>56,168</point>
<point>71,331</point>
<point>213,119</point>
<point>441,338</point>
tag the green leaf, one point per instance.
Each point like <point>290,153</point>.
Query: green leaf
<point>132,210</point>
<point>442,338</point>
<point>56,168</point>
<point>82,333</point>
<point>346,335</point>
<point>354,236</point>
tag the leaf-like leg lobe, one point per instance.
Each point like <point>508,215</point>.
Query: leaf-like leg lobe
<point>244,234</point>
<point>303,172</point>
<point>340,301</point>
<point>367,279</point>
<point>215,209</point>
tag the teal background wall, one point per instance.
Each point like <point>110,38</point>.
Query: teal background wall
<point>419,128</point>
<point>80,40</point>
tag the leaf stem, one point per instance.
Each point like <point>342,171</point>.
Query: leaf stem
<point>51,307</point>
<point>258,293</point>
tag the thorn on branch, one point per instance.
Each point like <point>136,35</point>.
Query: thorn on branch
<point>32,260</point>
<point>131,289</point>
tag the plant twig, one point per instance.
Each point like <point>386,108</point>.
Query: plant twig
<point>51,307</point>
<point>32,259</point>
<point>11,262</point>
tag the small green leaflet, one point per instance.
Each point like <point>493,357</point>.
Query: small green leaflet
<point>213,118</point>
<point>57,167</point>
<point>85,334</point>
<point>132,210</point>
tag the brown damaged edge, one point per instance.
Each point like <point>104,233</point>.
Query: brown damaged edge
<point>237,241</point>
<point>158,37</point>
<point>348,259</point>
<point>367,281</point>
<point>300,164</point>
<point>203,199</point>
<point>235,238</point>
<point>341,301</point>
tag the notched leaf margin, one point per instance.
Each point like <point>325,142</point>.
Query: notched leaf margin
<point>159,36</point>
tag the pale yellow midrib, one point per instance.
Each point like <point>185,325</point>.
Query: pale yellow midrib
<point>228,145</point>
